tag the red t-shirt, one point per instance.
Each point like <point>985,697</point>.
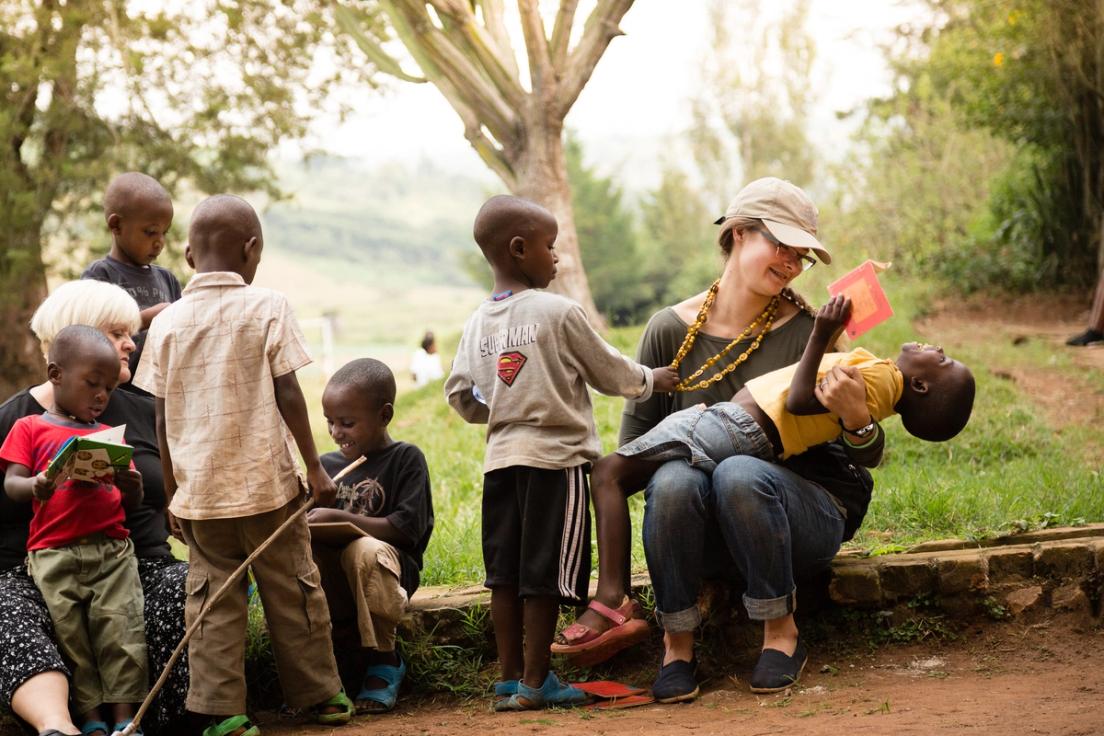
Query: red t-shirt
<point>76,509</point>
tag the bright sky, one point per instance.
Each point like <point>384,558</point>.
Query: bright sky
<point>636,103</point>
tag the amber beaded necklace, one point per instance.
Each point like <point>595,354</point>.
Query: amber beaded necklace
<point>765,318</point>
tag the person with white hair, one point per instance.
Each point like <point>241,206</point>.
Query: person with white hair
<point>34,679</point>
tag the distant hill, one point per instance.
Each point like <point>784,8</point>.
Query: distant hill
<point>380,247</point>
<point>410,223</point>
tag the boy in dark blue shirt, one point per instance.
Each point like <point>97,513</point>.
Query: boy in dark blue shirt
<point>370,572</point>
<point>139,213</point>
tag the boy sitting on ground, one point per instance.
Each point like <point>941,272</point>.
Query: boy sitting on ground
<point>221,363</point>
<point>368,581</point>
<point>522,367</point>
<point>139,213</point>
<point>778,415</point>
<point>79,553</point>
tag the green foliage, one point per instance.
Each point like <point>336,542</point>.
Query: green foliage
<point>678,240</point>
<point>636,269</point>
<point>920,200</point>
<point>997,133</point>
<point>751,114</point>
<point>197,93</point>
<point>456,667</point>
<point>607,241</point>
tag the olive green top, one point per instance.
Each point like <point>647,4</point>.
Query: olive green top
<point>662,338</point>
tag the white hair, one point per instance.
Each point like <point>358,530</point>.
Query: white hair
<point>86,302</point>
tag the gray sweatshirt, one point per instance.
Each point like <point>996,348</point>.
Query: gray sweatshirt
<point>531,357</point>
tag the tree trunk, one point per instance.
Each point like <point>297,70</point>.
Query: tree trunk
<point>22,289</point>
<point>541,175</point>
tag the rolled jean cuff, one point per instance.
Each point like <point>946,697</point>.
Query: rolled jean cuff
<point>766,609</point>
<point>687,619</point>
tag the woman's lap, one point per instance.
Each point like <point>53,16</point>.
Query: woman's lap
<point>28,647</point>
<point>163,587</point>
<point>737,514</point>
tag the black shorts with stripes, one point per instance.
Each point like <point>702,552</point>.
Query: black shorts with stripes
<point>536,531</point>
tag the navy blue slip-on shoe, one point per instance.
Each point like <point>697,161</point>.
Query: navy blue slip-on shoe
<point>775,671</point>
<point>676,682</point>
<point>1088,337</point>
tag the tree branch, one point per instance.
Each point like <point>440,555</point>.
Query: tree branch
<point>350,23</point>
<point>494,156</point>
<point>541,73</point>
<point>494,21</point>
<point>561,32</point>
<point>482,48</point>
<point>440,59</point>
<point>601,27</point>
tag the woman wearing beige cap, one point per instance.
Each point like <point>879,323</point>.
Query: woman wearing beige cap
<point>753,521</point>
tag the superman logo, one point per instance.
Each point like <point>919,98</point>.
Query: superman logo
<point>509,366</point>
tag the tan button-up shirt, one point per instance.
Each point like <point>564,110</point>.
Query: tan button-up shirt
<point>212,356</point>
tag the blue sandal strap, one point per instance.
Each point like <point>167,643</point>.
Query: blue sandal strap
<point>389,673</point>
<point>91,727</point>
<point>124,723</point>
<point>505,688</point>
<point>386,696</point>
<point>552,693</point>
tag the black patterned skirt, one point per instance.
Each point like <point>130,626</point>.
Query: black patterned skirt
<point>28,647</point>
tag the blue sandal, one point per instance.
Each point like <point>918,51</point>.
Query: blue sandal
<point>123,724</point>
<point>551,693</point>
<point>91,727</point>
<point>506,688</point>
<point>381,700</point>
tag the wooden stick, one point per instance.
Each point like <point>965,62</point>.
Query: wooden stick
<point>136,721</point>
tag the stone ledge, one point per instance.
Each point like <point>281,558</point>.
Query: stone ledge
<point>948,569</point>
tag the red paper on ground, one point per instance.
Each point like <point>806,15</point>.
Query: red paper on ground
<point>869,305</point>
<point>609,689</point>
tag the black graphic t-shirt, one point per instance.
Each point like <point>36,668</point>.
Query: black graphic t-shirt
<point>149,285</point>
<point>392,484</point>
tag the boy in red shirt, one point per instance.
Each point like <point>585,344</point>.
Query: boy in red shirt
<point>79,552</point>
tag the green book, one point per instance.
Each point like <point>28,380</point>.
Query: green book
<point>92,458</point>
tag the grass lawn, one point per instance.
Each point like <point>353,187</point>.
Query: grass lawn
<point>1010,468</point>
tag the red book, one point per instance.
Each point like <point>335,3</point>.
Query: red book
<point>869,306</point>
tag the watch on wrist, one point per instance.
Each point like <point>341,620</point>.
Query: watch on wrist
<point>861,432</point>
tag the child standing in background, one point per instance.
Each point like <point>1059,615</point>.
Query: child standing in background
<point>522,367</point>
<point>221,363</point>
<point>138,212</point>
<point>369,580</point>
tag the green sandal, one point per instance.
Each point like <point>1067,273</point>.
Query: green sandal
<point>337,717</point>
<point>232,724</point>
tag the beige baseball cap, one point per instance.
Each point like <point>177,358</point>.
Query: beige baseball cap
<point>785,209</point>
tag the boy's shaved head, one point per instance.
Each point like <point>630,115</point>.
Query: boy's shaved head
<point>222,221</point>
<point>503,217</point>
<point>369,377</point>
<point>81,344</point>
<point>945,409</point>
<point>132,190</point>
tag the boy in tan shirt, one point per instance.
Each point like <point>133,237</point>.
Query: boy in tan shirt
<point>221,363</point>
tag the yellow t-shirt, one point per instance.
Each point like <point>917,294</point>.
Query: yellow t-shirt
<point>884,384</point>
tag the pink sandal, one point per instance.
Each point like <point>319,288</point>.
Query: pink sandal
<point>584,646</point>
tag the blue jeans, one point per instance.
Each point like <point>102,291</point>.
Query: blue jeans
<point>752,517</point>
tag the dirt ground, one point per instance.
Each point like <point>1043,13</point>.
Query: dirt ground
<point>1047,319</point>
<point>994,678</point>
